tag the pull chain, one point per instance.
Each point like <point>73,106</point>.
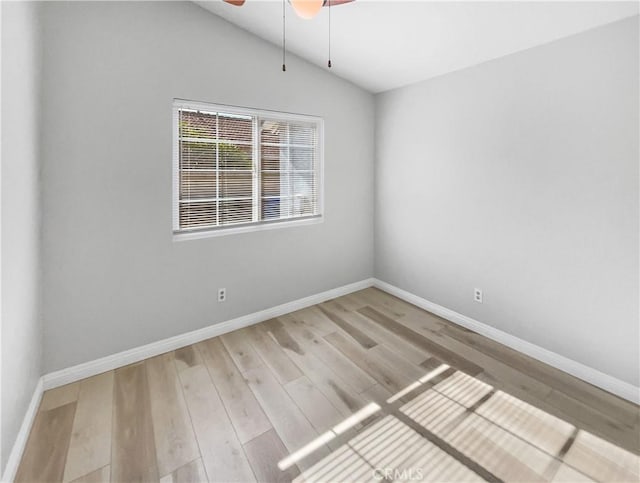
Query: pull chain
<point>284,39</point>
<point>329,63</point>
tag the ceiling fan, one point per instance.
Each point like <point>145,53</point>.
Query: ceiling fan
<point>304,8</point>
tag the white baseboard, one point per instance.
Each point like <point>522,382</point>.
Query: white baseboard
<point>586,373</point>
<point>98,366</point>
<point>15,456</point>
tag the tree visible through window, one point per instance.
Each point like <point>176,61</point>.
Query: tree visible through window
<point>241,167</point>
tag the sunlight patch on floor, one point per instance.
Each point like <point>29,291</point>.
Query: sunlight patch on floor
<point>456,426</point>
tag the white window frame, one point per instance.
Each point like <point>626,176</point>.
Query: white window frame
<point>180,235</point>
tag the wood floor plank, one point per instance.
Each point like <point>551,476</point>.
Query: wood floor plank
<point>398,362</point>
<point>312,316</point>
<point>349,302</point>
<point>46,450</point>
<point>330,384</point>
<point>504,376</point>
<point>507,376</point>
<point>624,411</point>
<point>186,357</point>
<point>394,308</point>
<point>566,474</point>
<point>292,426</point>
<point>528,422</point>
<point>500,452</point>
<point>90,445</point>
<point>192,472</point>
<point>431,363</point>
<point>361,337</point>
<point>222,454</point>
<point>349,372</point>
<point>393,444</point>
<point>495,372</point>
<point>336,464</point>
<point>314,405</point>
<point>59,396</point>
<point>418,340</point>
<point>315,320</point>
<point>389,378</point>
<point>264,453</point>
<point>133,454</point>
<point>174,438</point>
<point>569,410</point>
<point>601,460</point>
<point>247,417</point>
<point>240,350</point>
<point>377,394</point>
<point>381,335</point>
<point>391,303</point>
<point>273,355</point>
<point>101,475</point>
<point>596,421</point>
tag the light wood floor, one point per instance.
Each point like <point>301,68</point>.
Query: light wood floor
<point>360,388</point>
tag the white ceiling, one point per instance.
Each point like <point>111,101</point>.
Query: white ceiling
<point>381,45</point>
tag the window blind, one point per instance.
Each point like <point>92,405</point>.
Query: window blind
<point>288,167</point>
<point>244,167</point>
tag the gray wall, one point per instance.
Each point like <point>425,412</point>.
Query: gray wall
<point>113,277</point>
<point>21,328</point>
<point>520,177</point>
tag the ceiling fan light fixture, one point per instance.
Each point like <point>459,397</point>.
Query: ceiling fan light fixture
<point>307,9</point>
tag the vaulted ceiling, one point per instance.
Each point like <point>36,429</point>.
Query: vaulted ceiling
<point>381,45</point>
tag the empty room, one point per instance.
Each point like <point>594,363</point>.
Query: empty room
<point>319,241</point>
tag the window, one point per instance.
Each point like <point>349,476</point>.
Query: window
<point>238,169</point>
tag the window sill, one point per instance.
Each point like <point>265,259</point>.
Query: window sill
<point>232,230</point>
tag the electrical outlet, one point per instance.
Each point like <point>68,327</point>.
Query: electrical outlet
<point>222,294</point>
<point>477,295</point>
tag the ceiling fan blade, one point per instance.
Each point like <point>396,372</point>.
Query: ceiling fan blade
<point>334,3</point>
<point>237,3</point>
